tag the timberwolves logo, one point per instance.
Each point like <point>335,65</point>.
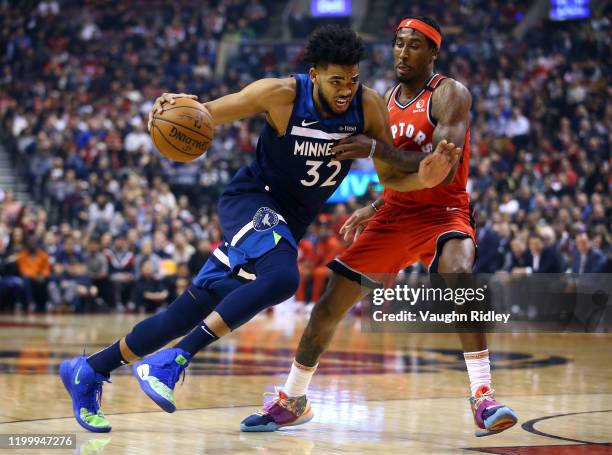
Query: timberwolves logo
<point>264,219</point>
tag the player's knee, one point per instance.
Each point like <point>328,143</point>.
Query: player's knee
<point>456,266</point>
<point>463,267</point>
<point>279,284</point>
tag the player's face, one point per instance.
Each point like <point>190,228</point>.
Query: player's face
<point>335,86</point>
<point>412,55</point>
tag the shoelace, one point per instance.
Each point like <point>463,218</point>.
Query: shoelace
<point>93,405</point>
<point>280,399</point>
<point>488,395</point>
<point>176,374</point>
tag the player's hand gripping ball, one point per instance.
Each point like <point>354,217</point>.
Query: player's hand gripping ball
<point>181,128</point>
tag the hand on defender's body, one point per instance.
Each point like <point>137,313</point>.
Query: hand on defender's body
<point>352,147</point>
<point>170,98</point>
<point>436,166</point>
<point>360,146</point>
<point>357,222</point>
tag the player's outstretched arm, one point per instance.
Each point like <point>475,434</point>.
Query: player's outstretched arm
<point>428,170</point>
<point>271,96</point>
<point>377,127</point>
<point>433,169</point>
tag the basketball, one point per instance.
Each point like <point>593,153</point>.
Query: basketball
<point>183,131</point>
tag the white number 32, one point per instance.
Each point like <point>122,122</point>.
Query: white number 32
<point>315,176</point>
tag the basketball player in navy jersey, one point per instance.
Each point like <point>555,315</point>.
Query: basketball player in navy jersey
<point>264,211</point>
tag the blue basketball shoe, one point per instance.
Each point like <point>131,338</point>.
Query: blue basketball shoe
<point>158,374</point>
<point>84,385</point>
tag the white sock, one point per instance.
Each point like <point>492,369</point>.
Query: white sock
<point>298,379</point>
<point>479,369</point>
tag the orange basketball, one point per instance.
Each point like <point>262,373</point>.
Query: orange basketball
<point>183,131</point>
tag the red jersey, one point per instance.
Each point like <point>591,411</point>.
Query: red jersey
<point>412,128</point>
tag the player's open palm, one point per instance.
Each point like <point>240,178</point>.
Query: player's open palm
<point>436,167</point>
<point>166,98</point>
<point>356,223</point>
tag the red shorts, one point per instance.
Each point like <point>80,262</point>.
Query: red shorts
<point>397,237</point>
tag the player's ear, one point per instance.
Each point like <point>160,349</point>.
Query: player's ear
<point>312,73</point>
<point>434,54</point>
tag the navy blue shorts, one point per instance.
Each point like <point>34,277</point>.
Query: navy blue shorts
<point>252,225</point>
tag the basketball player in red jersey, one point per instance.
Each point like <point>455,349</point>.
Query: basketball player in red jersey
<point>432,225</point>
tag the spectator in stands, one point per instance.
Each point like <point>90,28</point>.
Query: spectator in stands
<point>69,254</point>
<point>147,255</point>
<point>199,257</point>
<point>97,268</point>
<point>121,271</point>
<point>182,250</point>
<point>34,266</point>
<point>516,258</point>
<point>100,213</point>
<point>17,242</point>
<point>138,140</point>
<point>517,128</point>
<point>149,293</point>
<point>167,198</point>
<point>587,258</point>
<point>87,292</point>
<point>10,208</point>
<point>10,245</point>
<point>71,285</point>
<point>161,246</point>
<point>541,259</point>
<point>13,289</point>
<point>491,251</point>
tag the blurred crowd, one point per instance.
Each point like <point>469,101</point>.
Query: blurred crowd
<point>115,226</point>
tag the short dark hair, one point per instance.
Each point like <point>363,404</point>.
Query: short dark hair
<point>428,21</point>
<point>334,44</point>
<point>535,235</point>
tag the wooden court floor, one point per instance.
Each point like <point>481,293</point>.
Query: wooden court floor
<point>373,393</point>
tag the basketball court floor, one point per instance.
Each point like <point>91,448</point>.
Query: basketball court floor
<point>373,393</point>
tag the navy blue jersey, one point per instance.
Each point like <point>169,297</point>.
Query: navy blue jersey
<point>296,168</point>
<point>280,193</point>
